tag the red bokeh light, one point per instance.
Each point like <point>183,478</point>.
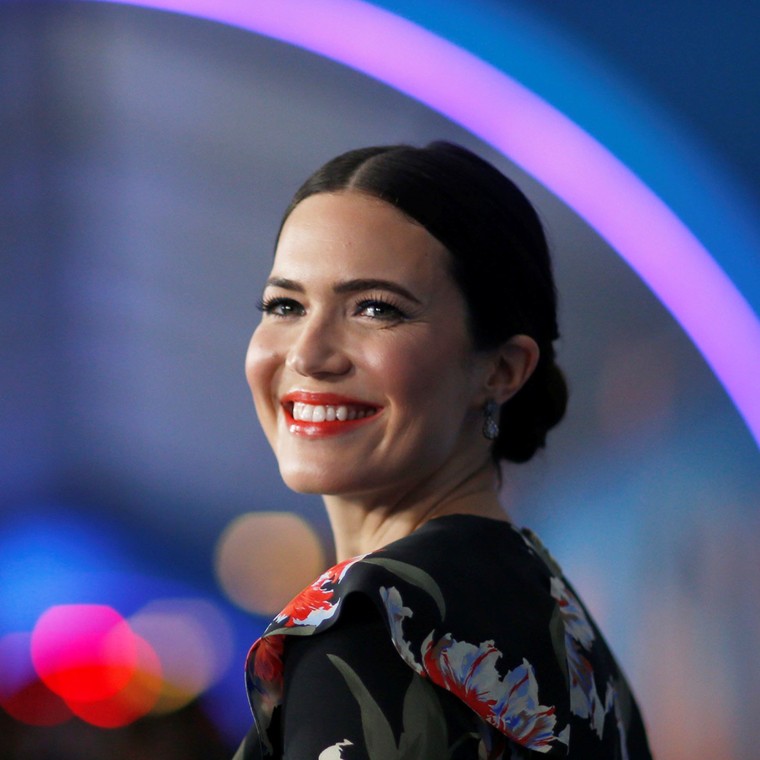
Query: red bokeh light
<point>84,652</point>
<point>87,661</point>
<point>136,699</point>
<point>22,694</point>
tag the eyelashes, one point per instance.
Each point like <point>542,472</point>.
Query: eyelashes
<point>380,309</point>
<point>376,308</point>
<point>280,307</point>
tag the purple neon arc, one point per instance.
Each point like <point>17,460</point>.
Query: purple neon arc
<point>487,102</point>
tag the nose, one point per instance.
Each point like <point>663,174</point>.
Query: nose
<point>319,349</point>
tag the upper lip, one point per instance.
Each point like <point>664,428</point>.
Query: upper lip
<point>324,399</point>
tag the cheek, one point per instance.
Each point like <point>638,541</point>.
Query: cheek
<point>262,363</point>
<point>424,372</point>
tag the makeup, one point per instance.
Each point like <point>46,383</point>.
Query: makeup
<point>310,414</point>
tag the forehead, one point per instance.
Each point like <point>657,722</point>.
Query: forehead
<point>354,234</point>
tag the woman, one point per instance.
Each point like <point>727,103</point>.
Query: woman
<point>405,349</point>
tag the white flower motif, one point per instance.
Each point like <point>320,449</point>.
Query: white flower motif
<point>335,752</point>
<point>464,669</point>
<point>520,715</point>
<point>579,635</point>
<point>614,698</point>
<point>394,607</point>
<point>574,617</point>
<point>510,704</point>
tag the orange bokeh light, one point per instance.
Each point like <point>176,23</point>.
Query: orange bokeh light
<point>264,558</point>
<point>193,642</point>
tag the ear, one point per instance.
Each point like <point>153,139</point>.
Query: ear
<point>512,364</point>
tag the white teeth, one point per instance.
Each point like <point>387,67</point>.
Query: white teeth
<point>325,413</point>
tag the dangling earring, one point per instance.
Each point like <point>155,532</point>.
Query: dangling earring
<point>490,425</point>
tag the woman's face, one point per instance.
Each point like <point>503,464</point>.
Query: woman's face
<point>362,370</point>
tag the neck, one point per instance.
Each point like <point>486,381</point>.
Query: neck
<point>360,526</point>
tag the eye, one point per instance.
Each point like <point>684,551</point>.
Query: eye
<point>376,308</point>
<point>281,307</point>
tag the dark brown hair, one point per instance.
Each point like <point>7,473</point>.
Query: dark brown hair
<point>500,260</point>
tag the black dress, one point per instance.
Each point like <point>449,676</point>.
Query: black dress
<point>462,640</point>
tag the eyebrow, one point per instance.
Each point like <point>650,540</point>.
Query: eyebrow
<point>349,286</point>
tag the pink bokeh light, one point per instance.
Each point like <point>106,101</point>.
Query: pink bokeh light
<point>84,652</point>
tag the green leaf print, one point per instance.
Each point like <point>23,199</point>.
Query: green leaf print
<point>414,576</point>
<point>559,643</point>
<point>378,735</point>
<point>295,630</point>
<point>424,733</point>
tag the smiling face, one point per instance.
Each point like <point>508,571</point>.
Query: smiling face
<point>362,370</point>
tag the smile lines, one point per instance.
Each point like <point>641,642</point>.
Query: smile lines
<point>328,413</point>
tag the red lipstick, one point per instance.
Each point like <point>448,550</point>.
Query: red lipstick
<point>325,399</point>
<point>337,414</point>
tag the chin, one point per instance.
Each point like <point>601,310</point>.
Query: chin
<point>316,480</point>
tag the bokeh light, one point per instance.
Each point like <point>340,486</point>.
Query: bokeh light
<point>638,387</point>
<point>88,661</point>
<point>73,645</point>
<point>632,218</point>
<point>50,555</point>
<point>264,558</point>
<point>193,642</point>
<point>135,699</point>
<point>84,652</point>
<point>22,694</point>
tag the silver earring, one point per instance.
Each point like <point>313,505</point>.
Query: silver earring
<point>490,425</point>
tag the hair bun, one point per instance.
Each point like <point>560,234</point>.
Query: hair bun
<point>531,413</point>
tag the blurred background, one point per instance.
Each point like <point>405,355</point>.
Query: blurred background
<point>145,158</point>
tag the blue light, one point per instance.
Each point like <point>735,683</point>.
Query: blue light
<point>615,110</point>
<point>49,555</point>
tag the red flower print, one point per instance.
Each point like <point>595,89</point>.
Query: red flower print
<point>264,665</point>
<point>510,704</point>
<point>467,671</point>
<point>314,604</point>
<point>309,606</point>
<point>267,662</point>
<point>519,715</point>
<point>337,572</point>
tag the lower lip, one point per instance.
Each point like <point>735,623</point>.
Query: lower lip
<point>325,429</point>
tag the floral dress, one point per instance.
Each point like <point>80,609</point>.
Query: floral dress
<point>460,641</point>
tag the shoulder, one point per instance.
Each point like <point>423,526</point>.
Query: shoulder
<point>483,610</point>
<point>470,575</point>
<point>468,605</point>
<point>480,609</point>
